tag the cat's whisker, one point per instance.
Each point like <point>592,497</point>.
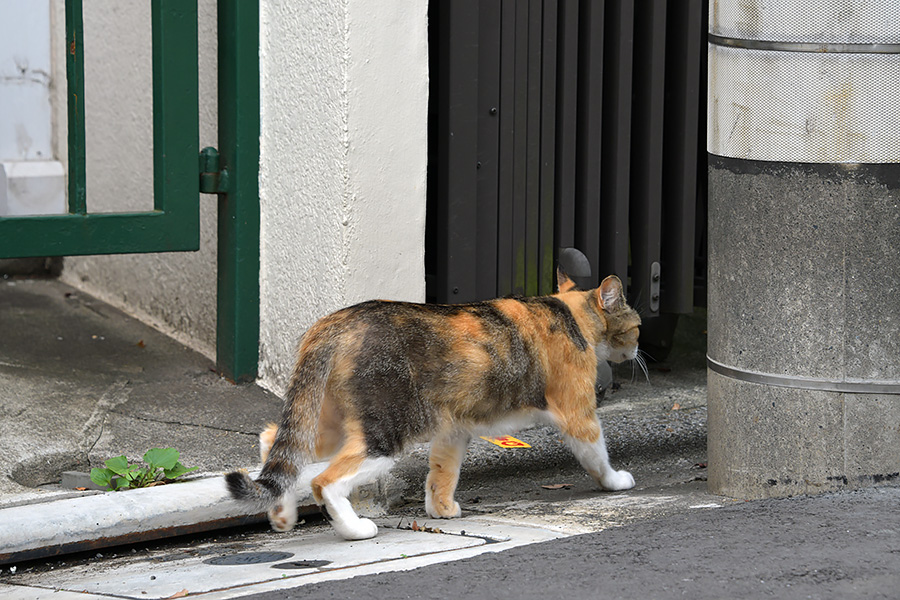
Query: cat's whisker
<point>646,354</point>
<point>636,305</point>
<point>643,364</point>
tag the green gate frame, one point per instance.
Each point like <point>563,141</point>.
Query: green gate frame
<point>174,222</point>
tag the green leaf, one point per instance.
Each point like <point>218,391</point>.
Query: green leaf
<point>178,470</point>
<point>118,465</point>
<point>102,477</point>
<point>120,475</point>
<point>134,472</point>
<point>149,477</point>
<point>165,458</point>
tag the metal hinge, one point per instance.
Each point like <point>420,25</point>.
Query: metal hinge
<point>212,179</point>
<point>654,287</point>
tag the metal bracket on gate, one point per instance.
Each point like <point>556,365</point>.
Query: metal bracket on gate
<point>212,179</point>
<point>654,287</point>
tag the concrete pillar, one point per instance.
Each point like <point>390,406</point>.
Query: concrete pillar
<point>804,246</point>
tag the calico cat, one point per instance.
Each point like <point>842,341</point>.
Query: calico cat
<point>375,377</point>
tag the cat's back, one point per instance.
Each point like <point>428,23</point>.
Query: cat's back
<point>502,323</point>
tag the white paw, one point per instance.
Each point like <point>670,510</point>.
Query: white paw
<point>442,512</point>
<point>363,529</point>
<point>617,480</point>
<point>283,518</point>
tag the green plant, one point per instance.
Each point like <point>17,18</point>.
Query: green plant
<point>162,466</point>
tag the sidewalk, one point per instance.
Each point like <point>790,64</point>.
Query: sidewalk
<point>81,382</point>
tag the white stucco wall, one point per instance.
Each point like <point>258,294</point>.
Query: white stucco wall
<point>344,90</point>
<point>25,123</point>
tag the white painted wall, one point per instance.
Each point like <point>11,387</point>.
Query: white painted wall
<point>31,181</point>
<point>344,89</point>
<point>25,124</point>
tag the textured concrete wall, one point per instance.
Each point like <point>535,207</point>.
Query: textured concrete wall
<point>804,287</point>
<point>175,291</point>
<point>343,158</point>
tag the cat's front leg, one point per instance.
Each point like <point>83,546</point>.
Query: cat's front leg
<point>447,452</point>
<point>587,444</point>
<point>594,459</point>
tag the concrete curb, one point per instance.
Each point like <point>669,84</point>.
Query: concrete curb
<point>93,521</point>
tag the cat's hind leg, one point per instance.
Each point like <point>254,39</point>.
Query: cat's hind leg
<point>283,516</point>
<point>447,453</point>
<point>350,468</point>
<point>329,439</point>
<point>266,440</point>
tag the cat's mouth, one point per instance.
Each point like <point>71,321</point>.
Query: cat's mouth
<point>620,356</point>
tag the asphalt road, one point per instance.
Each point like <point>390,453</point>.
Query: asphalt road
<point>834,546</point>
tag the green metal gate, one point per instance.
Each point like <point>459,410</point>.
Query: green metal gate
<point>174,223</point>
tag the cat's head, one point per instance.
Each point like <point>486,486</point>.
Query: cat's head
<point>617,323</point>
<point>622,322</point>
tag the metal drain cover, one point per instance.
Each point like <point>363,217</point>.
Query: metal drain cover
<point>248,558</point>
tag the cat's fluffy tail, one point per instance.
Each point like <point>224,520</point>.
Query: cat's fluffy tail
<point>274,480</point>
<point>294,444</point>
<point>264,492</point>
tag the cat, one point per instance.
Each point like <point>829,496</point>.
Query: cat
<point>373,378</point>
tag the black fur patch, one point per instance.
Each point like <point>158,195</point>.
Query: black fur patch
<point>237,485</point>
<point>243,488</point>
<point>515,378</point>
<point>395,363</point>
<point>563,318</point>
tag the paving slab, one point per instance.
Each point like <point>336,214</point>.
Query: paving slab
<point>309,554</point>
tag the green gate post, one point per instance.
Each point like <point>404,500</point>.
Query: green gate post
<point>237,328</point>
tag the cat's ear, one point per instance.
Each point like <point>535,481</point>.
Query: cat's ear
<point>563,282</point>
<point>610,294</point>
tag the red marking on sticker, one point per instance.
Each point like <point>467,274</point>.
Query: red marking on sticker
<point>506,441</point>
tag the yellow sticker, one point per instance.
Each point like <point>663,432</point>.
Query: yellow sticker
<point>506,441</point>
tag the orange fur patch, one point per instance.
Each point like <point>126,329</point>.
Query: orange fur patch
<point>266,439</point>
<point>346,462</point>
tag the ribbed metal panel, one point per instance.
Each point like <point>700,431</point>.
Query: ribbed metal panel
<point>566,123</point>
